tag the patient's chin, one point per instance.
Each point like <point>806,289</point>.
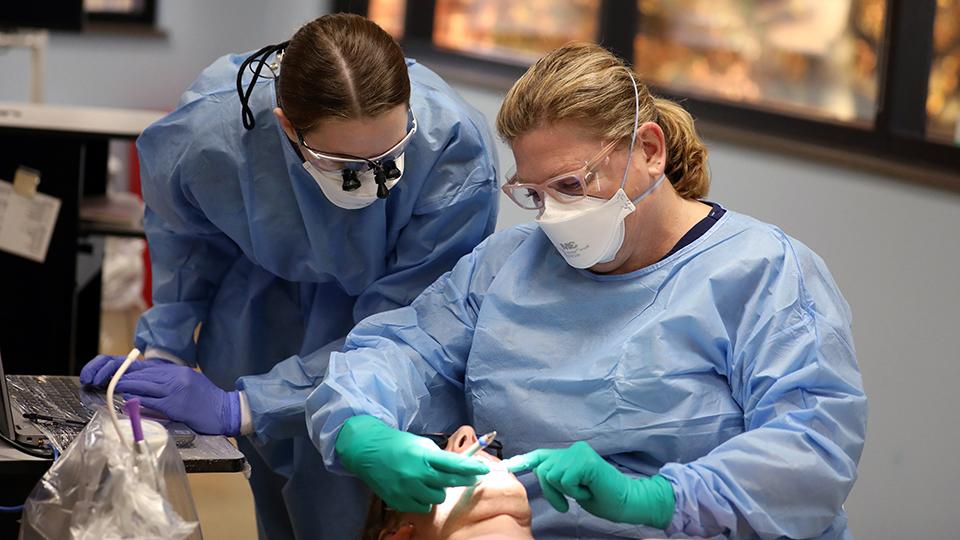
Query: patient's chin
<point>497,527</point>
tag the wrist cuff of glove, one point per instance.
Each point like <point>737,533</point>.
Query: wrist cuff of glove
<point>154,353</point>
<point>662,501</point>
<point>355,425</point>
<point>231,414</point>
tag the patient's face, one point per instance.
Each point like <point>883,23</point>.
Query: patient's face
<point>494,509</point>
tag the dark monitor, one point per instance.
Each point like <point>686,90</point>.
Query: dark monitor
<point>59,15</point>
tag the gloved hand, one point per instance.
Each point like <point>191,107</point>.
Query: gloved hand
<point>100,370</point>
<point>184,395</point>
<point>579,472</point>
<point>408,472</point>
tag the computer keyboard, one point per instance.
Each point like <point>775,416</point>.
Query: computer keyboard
<point>61,407</point>
<point>50,396</point>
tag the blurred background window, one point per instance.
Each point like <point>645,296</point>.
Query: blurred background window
<point>389,14</point>
<point>113,6</point>
<point>803,57</point>
<point>806,70</point>
<point>513,31</point>
<point>943,98</point>
<point>141,12</point>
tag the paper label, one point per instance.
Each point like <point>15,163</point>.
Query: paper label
<point>26,223</point>
<point>25,181</point>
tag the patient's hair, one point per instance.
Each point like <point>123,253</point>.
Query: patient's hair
<point>379,517</point>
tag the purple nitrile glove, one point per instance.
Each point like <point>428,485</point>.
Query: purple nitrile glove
<point>100,370</point>
<point>185,395</point>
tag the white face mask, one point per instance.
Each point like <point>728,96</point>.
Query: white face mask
<point>589,231</point>
<point>331,184</point>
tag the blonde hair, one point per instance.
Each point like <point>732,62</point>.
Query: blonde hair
<point>586,84</point>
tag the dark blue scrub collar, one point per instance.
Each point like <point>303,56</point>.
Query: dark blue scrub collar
<point>698,230</point>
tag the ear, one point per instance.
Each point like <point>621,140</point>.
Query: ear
<point>401,532</point>
<point>286,125</point>
<point>653,149</point>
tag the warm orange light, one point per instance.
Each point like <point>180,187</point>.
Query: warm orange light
<point>511,30</point>
<point>813,57</point>
<point>388,14</point>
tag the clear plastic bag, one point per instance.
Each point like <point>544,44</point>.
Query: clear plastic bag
<point>122,274</point>
<point>101,488</point>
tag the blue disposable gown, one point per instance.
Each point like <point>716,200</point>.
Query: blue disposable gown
<point>727,367</point>
<point>243,241</point>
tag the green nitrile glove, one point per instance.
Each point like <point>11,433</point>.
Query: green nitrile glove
<point>408,472</point>
<point>580,473</point>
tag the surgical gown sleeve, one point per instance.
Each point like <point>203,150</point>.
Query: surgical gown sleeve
<point>409,361</point>
<point>188,254</point>
<point>792,369</point>
<point>456,210</point>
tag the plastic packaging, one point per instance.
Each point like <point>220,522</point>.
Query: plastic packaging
<point>102,489</point>
<point>123,274</point>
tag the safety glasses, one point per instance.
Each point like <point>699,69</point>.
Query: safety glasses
<point>566,188</point>
<point>441,440</point>
<point>336,162</point>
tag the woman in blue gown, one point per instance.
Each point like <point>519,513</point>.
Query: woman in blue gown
<point>662,365</point>
<point>292,193</point>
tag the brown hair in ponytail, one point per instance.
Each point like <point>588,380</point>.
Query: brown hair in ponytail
<point>585,83</point>
<point>341,65</point>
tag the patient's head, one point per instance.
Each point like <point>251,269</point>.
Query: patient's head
<point>494,509</point>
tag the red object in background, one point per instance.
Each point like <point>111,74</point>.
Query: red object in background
<point>135,188</point>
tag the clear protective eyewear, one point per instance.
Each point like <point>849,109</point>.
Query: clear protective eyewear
<point>332,162</point>
<point>565,188</point>
<point>384,166</point>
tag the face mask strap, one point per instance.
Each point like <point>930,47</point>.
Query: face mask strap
<point>649,190</point>
<point>633,138</point>
<point>636,126</point>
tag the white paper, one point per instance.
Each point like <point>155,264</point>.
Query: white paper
<point>26,223</point>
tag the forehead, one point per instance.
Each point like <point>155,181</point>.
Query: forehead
<point>551,150</point>
<point>363,137</point>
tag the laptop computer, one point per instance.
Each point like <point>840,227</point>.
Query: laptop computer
<point>39,409</point>
<point>13,425</point>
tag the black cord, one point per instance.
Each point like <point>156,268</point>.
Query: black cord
<point>26,450</point>
<point>23,448</point>
<point>246,113</point>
